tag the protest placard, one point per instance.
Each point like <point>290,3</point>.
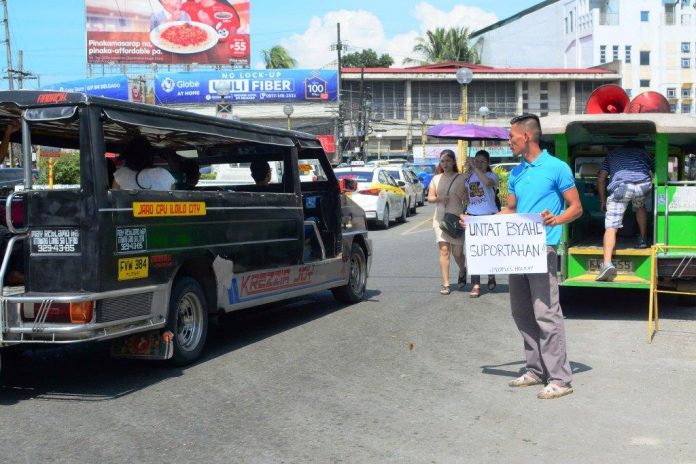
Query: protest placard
<point>505,244</point>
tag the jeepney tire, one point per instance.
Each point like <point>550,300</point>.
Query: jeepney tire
<point>354,290</point>
<point>385,217</point>
<point>188,320</point>
<point>404,212</point>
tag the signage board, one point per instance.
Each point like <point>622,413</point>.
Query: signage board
<point>505,244</point>
<point>168,32</point>
<point>108,86</point>
<point>247,86</point>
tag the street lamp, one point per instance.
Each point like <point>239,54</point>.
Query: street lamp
<point>379,146</point>
<point>483,112</point>
<point>288,110</point>
<point>464,77</point>
<point>423,119</point>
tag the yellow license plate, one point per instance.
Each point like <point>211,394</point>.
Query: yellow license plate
<point>623,266</point>
<point>133,268</point>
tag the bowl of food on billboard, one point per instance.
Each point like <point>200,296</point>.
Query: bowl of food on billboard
<point>184,37</point>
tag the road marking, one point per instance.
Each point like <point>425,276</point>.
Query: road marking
<point>412,230</point>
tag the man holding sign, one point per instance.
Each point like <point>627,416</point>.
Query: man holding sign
<point>540,185</point>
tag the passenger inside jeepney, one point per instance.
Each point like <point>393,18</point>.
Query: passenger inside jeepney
<point>260,172</point>
<point>139,171</point>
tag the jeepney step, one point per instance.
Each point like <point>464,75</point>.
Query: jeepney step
<point>621,280</point>
<point>597,250</point>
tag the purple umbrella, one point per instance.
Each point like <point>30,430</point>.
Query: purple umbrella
<point>468,132</point>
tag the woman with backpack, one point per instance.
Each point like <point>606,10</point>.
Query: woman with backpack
<point>482,187</point>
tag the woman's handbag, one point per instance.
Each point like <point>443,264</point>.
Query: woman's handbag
<point>450,222</point>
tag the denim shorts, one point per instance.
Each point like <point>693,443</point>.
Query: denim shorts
<point>618,201</point>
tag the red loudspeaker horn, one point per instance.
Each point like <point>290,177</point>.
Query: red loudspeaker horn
<point>649,102</point>
<point>609,98</point>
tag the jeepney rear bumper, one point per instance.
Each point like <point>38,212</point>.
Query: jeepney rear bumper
<point>116,313</point>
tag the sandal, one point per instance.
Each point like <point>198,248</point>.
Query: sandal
<point>444,290</point>
<point>553,391</point>
<point>461,282</point>
<point>491,283</point>
<point>475,292</point>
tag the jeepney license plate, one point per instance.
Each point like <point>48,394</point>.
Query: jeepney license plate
<point>133,268</point>
<point>623,266</point>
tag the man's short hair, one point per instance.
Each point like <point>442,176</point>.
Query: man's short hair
<point>531,123</point>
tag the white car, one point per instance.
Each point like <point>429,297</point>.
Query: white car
<point>413,193</point>
<point>378,194</point>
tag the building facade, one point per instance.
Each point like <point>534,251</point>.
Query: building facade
<point>652,43</point>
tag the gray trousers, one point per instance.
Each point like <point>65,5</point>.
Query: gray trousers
<point>537,312</point>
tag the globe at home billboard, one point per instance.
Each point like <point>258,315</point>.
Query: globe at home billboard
<point>168,31</point>
<point>246,86</point>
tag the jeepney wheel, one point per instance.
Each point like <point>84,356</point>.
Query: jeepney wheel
<point>188,320</point>
<point>354,290</point>
<point>404,212</point>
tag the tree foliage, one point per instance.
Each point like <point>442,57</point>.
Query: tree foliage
<point>367,59</point>
<point>66,169</point>
<point>442,45</point>
<point>278,58</point>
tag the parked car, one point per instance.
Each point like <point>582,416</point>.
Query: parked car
<point>411,185</point>
<point>506,166</point>
<point>378,194</point>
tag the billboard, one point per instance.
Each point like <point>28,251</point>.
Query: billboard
<point>247,86</point>
<point>168,32</point>
<point>110,86</point>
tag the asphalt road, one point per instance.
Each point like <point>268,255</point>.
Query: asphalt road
<point>405,376</point>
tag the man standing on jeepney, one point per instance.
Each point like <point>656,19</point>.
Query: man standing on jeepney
<point>541,184</point>
<point>630,168</point>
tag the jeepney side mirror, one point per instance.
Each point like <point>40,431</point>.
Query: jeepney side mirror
<point>348,185</point>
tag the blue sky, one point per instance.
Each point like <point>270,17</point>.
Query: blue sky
<point>52,36</point>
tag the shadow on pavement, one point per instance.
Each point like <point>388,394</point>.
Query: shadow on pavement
<point>86,372</point>
<point>575,367</point>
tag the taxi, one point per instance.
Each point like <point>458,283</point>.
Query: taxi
<point>378,194</point>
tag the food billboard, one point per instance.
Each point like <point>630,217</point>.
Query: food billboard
<point>247,86</point>
<point>168,32</point>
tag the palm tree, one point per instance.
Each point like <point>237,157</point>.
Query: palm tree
<point>442,45</point>
<point>278,58</point>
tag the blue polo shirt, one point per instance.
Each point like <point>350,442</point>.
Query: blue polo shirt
<point>539,186</point>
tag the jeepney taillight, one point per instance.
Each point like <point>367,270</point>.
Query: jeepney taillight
<point>75,313</point>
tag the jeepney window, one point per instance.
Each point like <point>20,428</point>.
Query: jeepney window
<point>587,166</point>
<point>311,170</point>
<point>673,168</point>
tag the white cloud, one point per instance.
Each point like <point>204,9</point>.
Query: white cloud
<point>361,29</point>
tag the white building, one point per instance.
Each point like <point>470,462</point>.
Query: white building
<point>652,43</point>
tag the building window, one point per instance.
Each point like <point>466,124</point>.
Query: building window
<point>686,47</point>
<point>686,108</point>
<point>669,15</point>
<point>686,93</point>
<point>628,54</point>
<point>645,82</point>
<point>686,19</point>
<point>602,53</point>
<point>644,16</point>
<point>629,92</point>
<point>672,107</point>
<point>615,53</point>
<point>686,63</point>
<point>644,58</point>
<point>671,92</point>
<point>571,21</point>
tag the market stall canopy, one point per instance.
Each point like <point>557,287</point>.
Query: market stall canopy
<point>468,132</point>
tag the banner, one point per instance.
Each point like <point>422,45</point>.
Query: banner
<point>168,32</point>
<point>109,86</point>
<point>246,86</point>
<point>505,244</point>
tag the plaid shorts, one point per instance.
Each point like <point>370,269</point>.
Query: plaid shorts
<point>618,201</point>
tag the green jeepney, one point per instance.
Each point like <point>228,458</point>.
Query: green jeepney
<point>583,141</point>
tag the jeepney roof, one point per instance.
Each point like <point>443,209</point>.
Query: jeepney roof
<point>587,128</point>
<point>154,116</point>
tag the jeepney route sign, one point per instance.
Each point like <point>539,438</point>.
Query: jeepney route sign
<point>131,239</point>
<point>54,241</point>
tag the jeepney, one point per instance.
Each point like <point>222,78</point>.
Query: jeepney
<point>149,268</point>
<point>583,141</point>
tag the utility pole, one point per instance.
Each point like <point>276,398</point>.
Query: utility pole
<point>339,47</point>
<point>10,77</point>
<point>361,116</point>
<point>21,74</point>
